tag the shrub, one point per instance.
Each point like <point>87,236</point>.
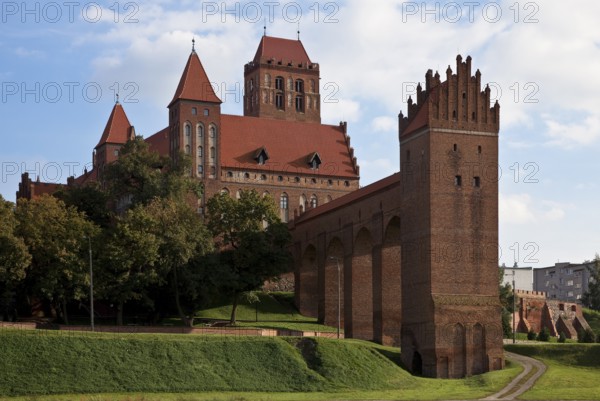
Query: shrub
<point>586,336</point>
<point>562,338</point>
<point>531,335</point>
<point>544,335</point>
<point>506,326</point>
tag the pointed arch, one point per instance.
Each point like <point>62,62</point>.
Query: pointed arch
<point>479,350</point>
<point>459,365</point>
<point>284,207</point>
<point>302,203</point>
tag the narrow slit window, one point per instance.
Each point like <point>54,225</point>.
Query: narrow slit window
<point>458,180</point>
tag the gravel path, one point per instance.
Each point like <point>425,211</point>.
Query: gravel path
<point>523,382</point>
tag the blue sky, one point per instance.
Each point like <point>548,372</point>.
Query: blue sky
<point>62,63</point>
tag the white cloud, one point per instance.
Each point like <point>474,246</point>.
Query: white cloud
<point>515,209</point>
<point>341,110</point>
<point>376,169</point>
<point>384,123</point>
<point>520,209</point>
<point>23,52</point>
<point>569,135</point>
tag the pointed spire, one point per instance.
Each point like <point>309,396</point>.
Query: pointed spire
<point>193,45</point>
<point>118,127</point>
<point>298,30</point>
<point>194,83</point>
<point>265,28</point>
<point>117,98</point>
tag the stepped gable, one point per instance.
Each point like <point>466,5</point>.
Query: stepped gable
<point>457,103</point>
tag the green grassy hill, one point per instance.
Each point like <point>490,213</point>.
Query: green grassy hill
<point>57,363</point>
<point>273,310</point>
<point>593,319</point>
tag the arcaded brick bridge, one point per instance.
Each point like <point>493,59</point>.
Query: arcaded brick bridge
<point>418,250</point>
<point>363,236</point>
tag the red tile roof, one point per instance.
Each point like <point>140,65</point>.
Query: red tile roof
<point>281,49</point>
<point>355,196</point>
<point>117,128</point>
<point>288,143</point>
<point>194,83</point>
<point>87,176</point>
<point>159,142</point>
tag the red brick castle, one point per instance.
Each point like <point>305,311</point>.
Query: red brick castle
<point>278,147</point>
<point>410,260</point>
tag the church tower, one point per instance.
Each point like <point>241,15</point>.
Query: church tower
<point>281,82</point>
<point>195,121</point>
<point>118,130</point>
<point>451,323</point>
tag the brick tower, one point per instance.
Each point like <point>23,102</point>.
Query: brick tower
<point>281,82</point>
<point>195,122</point>
<point>449,163</point>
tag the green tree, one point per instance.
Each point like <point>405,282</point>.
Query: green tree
<point>90,199</point>
<point>140,175</point>
<point>183,238</point>
<point>591,298</point>
<point>544,335</point>
<point>507,296</point>
<point>129,259</point>
<point>253,243</point>
<point>55,236</point>
<point>14,259</point>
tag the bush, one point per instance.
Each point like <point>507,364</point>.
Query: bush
<point>544,335</point>
<point>506,326</point>
<point>531,335</point>
<point>562,338</point>
<point>586,336</point>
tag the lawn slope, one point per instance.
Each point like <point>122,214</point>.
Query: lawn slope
<point>298,368</point>
<point>573,371</point>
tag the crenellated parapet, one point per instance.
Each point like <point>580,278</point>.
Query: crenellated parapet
<point>457,103</point>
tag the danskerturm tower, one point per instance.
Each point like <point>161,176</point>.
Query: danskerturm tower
<point>449,156</point>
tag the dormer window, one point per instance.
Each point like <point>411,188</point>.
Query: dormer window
<point>314,161</point>
<point>261,156</point>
